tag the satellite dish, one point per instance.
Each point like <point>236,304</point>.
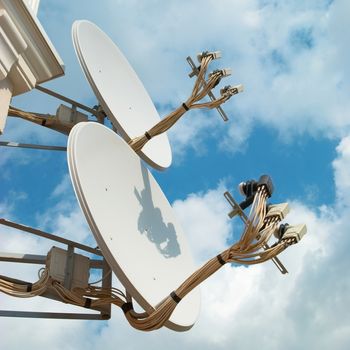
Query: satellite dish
<point>131,219</point>
<point>119,90</point>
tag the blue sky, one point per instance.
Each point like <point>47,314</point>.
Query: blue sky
<point>292,122</point>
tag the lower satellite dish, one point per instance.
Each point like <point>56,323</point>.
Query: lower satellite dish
<point>131,219</point>
<point>119,90</point>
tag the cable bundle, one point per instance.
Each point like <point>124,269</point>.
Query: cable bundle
<point>248,250</point>
<point>90,297</point>
<point>203,85</point>
<point>263,222</point>
<point>201,88</point>
<point>22,289</point>
<point>47,120</point>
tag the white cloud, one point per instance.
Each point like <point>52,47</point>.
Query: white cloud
<point>63,187</point>
<point>341,171</point>
<point>191,133</point>
<point>291,57</point>
<point>204,215</point>
<point>303,309</point>
<point>65,216</point>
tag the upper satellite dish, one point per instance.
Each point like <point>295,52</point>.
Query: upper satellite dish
<point>119,90</point>
<point>131,219</point>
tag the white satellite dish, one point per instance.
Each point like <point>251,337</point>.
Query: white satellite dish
<point>119,90</point>
<point>131,219</point>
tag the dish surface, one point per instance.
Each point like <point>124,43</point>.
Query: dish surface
<point>119,91</point>
<point>131,219</point>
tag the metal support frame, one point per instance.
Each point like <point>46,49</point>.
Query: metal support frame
<point>237,210</point>
<point>50,236</point>
<point>195,71</point>
<point>104,311</point>
<point>98,112</point>
<point>31,146</point>
<point>52,315</point>
<point>41,259</point>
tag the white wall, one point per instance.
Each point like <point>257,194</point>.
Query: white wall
<point>34,4</point>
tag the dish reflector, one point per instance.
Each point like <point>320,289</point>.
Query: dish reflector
<point>119,91</point>
<point>131,219</point>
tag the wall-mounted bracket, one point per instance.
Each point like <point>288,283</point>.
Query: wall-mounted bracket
<point>104,310</point>
<point>96,111</point>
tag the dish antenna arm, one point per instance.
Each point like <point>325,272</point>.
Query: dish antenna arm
<point>104,310</point>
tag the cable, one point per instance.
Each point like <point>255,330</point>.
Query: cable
<point>101,279</point>
<point>262,223</point>
<point>201,88</point>
<point>47,120</point>
<point>24,290</point>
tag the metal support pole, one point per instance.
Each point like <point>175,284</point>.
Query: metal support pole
<point>40,259</point>
<point>23,258</point>
<point>52,315</point>
<point>50,236</point>
<point>97,113</point>
<point>31,146</point>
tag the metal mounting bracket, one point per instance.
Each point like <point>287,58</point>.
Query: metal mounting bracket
<point>98,112</point>
<point>195,71</point>
<point>104,311</point>
<point>31,146</point>
<point>237,210</point>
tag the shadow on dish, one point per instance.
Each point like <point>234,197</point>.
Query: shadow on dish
<point>151,223</point>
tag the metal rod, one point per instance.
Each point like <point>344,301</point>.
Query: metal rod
<point>277,262</point>
<point>68,100</point>
<point>40,259</point>
<point>13,280</point>
<point>27,145</point>
<point>52,315</point>
<point>195,71</point>
<point>23,258</point>
<point>237,210</point>
<point>49,236</point>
